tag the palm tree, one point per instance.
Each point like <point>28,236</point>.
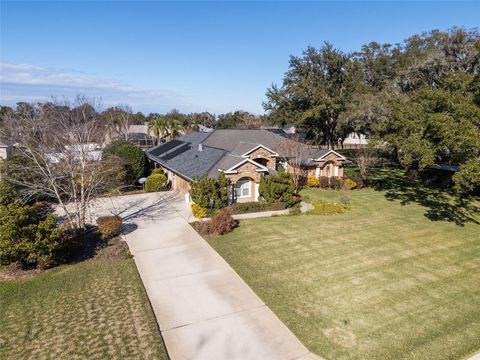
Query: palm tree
<point>173,126</point>
<point>158,127</point>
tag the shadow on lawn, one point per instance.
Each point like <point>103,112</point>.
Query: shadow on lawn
<point>441,204</point>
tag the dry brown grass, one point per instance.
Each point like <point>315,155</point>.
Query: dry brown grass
<point>96,309</point>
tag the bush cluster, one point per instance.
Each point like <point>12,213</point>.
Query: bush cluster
<point>27,237</point>
<point>313,181</point>
<point>325,208</point>
<point>337,183</point>
<point>109,226</point>
<point>201,191</point>
<point>134,160</point>
<point>222,223</point>
<point>278,188</point>
<point>198,211</point>
<point>255,206</point>
<point>156,182</point>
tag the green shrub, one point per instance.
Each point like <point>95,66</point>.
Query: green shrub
<point>7,193</point>
<point>278,188</point>
<point>350,184</point>
<point>255,206</point>
<point>134,160</point>
<point>201,191</point>
<point>157,171</point>
<point>313,181</point>
<point>156,182</point>
<point>27,238</point>
<point>222,223</point>
<point>198,211</point>
<point>109,226</point>
<point>325,208</point>
<point>351,171</point>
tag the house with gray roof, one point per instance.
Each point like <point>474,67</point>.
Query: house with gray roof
<point>243,156</point>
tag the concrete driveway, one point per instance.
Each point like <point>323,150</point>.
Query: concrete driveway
<point>203,308</point>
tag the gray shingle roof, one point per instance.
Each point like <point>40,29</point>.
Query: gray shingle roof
<point>221,149</point>
<point>228,139</point>
<point>184,158</point>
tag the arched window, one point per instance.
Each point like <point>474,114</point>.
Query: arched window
<point>242,188</point>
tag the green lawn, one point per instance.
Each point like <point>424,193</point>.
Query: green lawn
<point>97,309</point>
<point>397,277</point>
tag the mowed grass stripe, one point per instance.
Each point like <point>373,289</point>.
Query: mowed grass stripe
<point>382,281</point>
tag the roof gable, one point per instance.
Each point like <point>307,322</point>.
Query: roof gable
<point>328,153</point>
<point>231,170</point>
<point>258,147</point>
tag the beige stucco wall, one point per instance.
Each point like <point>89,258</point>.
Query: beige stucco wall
<point>181,185</point>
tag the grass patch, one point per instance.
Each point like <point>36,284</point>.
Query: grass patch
<point>395,277</point>
<point>96,309</point>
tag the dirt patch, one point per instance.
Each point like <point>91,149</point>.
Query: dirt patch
<point>13,272</point>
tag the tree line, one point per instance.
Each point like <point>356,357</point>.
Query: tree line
<point>419,98</point>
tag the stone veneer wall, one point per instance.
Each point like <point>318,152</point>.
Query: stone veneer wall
<point>264,154</point>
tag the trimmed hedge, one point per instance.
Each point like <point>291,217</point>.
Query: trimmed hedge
<point>255,206</point>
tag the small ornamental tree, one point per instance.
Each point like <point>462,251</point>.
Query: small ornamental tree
<point>278,188</point>
<point>134,159</point>
<point>203,190</point>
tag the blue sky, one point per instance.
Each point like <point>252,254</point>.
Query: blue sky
<point>194,56</point>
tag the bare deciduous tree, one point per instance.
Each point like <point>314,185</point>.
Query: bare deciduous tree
<point>59,156</point>
<point>365,158</point>
<point>118,121</point>
<point>294,151</point>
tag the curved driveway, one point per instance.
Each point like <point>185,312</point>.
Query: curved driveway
<point>203,308</point>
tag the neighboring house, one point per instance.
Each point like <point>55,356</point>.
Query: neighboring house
<point>242,155</point>
<point>138,134</point>
<point>355,139</point>
<point>90,151</point>
<point>5,151</point>
<point>204,129</point>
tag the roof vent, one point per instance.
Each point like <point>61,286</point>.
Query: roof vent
<point>200,147</point>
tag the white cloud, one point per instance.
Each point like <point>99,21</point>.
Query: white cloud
<point>26,82</point>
